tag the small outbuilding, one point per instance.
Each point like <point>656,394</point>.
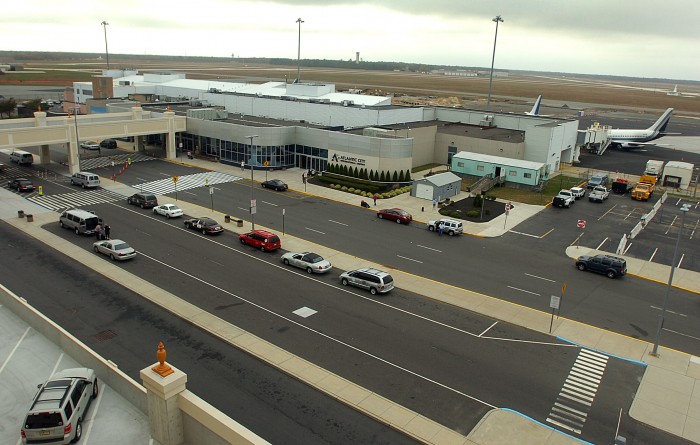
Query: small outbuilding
<point>678,174</point>
<point>438,187</point>
<point>507,169</point>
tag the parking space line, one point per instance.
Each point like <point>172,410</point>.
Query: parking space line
<point>489,328</point>
<point>652,255</point>
<point>526,291</point>
<point>7,360</point>
<point>601,244</point>
<point>671,225</point>
<point>606,213</point>
<point>541,278</point>
<point>314,230</point>
<point>628,248</point>
<point>680,262</point>
<point>93,412</point>
<point>670,312</point>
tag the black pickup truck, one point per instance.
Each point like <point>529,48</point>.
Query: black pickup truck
<point>560,202</point>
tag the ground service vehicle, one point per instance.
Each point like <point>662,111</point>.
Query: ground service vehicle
<point>644,188</point>
<point>654,168</point>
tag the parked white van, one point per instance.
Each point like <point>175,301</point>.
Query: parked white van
<point>81,221</point>
<point>85,179</point>
<point>22,157</point>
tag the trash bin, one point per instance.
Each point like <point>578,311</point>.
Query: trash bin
<point>20,213</point>
<point>227,218</point>
<point>239,223</point>
<point>30,217</point>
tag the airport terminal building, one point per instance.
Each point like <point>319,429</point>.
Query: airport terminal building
<point>308,125</point>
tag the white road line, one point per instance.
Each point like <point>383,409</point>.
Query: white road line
<point>565,412</point>
<point>628,248</point>
<point>487,329</point>
<point>269,203</point>
<point>669,227</point>
<point>680,261</point>
<point>680,333</point>
<point>570,397</point>
<point>429,248</point>
<point>216,262</point>
<point>524,234</point>
<point>561,425</point>
<point>245,210</point>
<point>605,214</point>
<point>601,244</point>
<point>93,414</point>
<point>336,222</point>
<point>26,331</point>
<point>523,290</point>
<point>653,254</point>
<point>540,278</point>
<point>314,230</point>
<point>567,407</point>
<point>189,193</point>
<point>410,259</point>
<point>670,312</point>
<point>164,174</point>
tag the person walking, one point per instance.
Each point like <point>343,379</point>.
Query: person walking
<point>242,166</point>
<point>434,203</point>
<point>108,230</point>
<point>375,199</point>
<point>98,231</point>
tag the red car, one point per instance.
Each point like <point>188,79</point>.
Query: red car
<point>398,215</point>
<point>261,239</point>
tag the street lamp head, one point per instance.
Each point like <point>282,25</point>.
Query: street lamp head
<point>497,19</point>
<point>300,21</point>
<point>104,23</point>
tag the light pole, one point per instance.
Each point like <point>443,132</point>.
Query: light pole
<point>299,21</point>
<point>104,25</point>
<point>493,59</point>
<point>250,163</point>
<point>77,140</point>
<point>654,352</point>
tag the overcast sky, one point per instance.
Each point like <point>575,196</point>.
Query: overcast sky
<point>640,38</point>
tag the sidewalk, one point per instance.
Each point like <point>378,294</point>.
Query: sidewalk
<point>669,394</point>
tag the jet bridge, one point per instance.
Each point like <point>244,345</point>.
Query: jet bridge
<point>597,138</point>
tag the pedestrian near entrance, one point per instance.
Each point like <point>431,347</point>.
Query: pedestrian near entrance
<point>242,166</point>
<point>303,178</point>
<point>108,230</point>
<point>375,199</point>
<point>434,203</point>
<point>98,231</point>
<point>439,227</point>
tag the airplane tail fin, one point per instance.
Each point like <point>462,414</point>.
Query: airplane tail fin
<point>536,108</point>
<point>662,122</point>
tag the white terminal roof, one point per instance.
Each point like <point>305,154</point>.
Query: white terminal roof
<point>269,89</point>
<point>521,163</point>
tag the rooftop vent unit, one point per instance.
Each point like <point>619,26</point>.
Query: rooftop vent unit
<point>487,121</point>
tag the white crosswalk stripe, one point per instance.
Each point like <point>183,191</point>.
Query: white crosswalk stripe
<point>119,160</point>
<point>77,199</point>
<point>164,186</point>
<point>575,399</point>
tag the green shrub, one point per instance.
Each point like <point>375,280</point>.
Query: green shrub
<point>351,189</point>
<point>358,191</point>
<point>344,188</point>
<point>473,214</point>
<point>478,201</point>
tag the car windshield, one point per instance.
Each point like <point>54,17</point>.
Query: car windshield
<point>121,246</point>
<point>274,239</point>
<point>172,207</point>
<point>25,182</point>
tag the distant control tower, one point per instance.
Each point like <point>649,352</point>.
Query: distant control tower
<point>357,57</point>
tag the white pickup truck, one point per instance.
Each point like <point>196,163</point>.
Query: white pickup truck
<point>599,194</point>
<point>564,199</point>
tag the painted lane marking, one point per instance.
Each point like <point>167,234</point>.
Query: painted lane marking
<point>540,278</point>
<point>489,328</point>
<point>336,222</point>
<point>653,254</point>
<point>410,259</point>
<point>269,203</point>
<point>523,290</point>
<point>429,248</point>
<point>601,244</point>
<point>524,234</point>
<point>670,312</point>
<point>314,230</point>
<point>680,333</point>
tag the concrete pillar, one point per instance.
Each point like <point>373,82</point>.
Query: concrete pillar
<point>73,160</point>
<point>140,143</point>
<point>40,121</point>
<point>163,383</point>
<point>170,149</point>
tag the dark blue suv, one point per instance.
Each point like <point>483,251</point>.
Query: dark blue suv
<point>611,266</point>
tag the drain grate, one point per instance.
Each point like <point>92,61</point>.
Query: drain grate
<point>105,335</point>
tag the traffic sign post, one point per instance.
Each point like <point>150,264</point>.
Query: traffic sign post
<point>581,224</point>
<point>211,193</point>
<point>554,304</point>
<point>175,179</point>
<point>508,207</point>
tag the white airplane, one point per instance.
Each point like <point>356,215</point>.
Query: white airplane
<point>535,108</point>
<point>626,139</point>
<point>675,92</point>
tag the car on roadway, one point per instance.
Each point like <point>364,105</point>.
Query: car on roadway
<point>108,143</point>
<point>116,249</point>
<point>309,261</point>
<point>275,184</point>
<point>374,280</point>
<point>168,210</point>
<point>608,265</point>
<point>59,407</point>
<point>21,185</point>
<point>145,200</point>
<point>449,226</point>
<point>205,225</point>
<point>261,239</point>
<point>399,215</point>
<point>89,145</point>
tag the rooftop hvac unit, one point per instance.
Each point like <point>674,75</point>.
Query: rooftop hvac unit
<point>487,121</point>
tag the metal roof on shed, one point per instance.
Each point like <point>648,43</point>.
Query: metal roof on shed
<point>442,179</point>
<point>530,165</point>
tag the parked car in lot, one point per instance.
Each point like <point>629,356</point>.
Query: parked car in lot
<point>204,225</point>
<point>261,239</point>
<point>608,265</point>
<point>108,143</point>
<point>599,194</point>
<point>374,280</point>
<point>578,192</point>
<point>598,179</point>
<point>399,215</point>
<point>168,210</point>
<point>449,226</point>
<point>21,185</point>
<point>59,408</point>
<point>309,261</point>
<point>116,249</point>
<point>89,145</point>
<point>145,200</point>
<point>275,184</point>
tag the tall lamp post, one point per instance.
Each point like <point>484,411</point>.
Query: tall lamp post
<point>104,25</point>
<point>77,139</point>
<point>496,19</point>
<point>299,21</point>
<point>250,163</point>
<point>654,352</point>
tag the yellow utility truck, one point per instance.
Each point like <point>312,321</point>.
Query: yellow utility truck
<point>644,188</point>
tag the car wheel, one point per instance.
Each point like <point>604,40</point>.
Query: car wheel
<point>95,389</point>
<point>111,255</point>
<point>262,248</point>
<point>451,233</point>
<point>204,232</point>
<point>611,274</point>
<point>60,223</point>
<point>143,206</point>
<point>431,228</point>
<point>242,241</point>
<point>581,266</point>
<point>309,270</point>
<point>167,215</point>
<point>264,186</point>
<point>96,249</point>
<point>83,185</point>
<point>398,221</point>
<point>77,232</point>
<point>78,431</point>
<point>286,261</point>
<point>379,215</point>
<point>71,182</point>
<point>344,281</point>
<point>373,291</point>
<point>19,189</point>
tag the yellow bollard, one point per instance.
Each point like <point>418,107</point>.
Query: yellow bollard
<point>206,182</point>
<point>41,190</point>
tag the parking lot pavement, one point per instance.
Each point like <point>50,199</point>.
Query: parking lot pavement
<point>28,359</point>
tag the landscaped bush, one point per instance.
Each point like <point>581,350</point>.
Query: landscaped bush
<point>344,188</point>
<point>357,192</point>
<point>473,214</point>
<point>351,190</point>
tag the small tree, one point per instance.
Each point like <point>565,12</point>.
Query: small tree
<point>478,201</point>
<point>408,175</point>
<point>381,177</point>
<point>7,107</point>
<point>356,173</point>
<point>395,176</point>
<point>401,177</point>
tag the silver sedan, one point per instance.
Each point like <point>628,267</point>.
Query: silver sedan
<point>116,249</point>
<point>168,210</point>
<point>312,262</point>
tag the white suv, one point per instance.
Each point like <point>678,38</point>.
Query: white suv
<point>376,281</point>
<point>59,408</point>
<point>449,226</point>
